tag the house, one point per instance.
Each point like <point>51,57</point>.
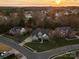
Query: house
<point>74,11</point>
<point>17,31</point>
<point>27,15</point>
<point>22,31</point>
<point>66,13</point>
<point>3,19</point>
<point>65,32</point>
<point>58,14</point>
<point>40,34</point>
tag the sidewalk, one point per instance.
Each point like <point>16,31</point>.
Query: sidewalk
<point>29,39</point>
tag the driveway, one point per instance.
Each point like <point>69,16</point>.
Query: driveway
<point>28,39</point>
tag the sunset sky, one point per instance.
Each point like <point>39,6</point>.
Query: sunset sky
<point>39,3</point>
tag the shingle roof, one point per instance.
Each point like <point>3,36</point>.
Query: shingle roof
<point>36,31</point>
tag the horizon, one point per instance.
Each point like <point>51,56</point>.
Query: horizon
<point>33,3</point>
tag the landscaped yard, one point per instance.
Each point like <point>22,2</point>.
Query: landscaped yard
<point>18,38</point>
<point>50,45</point>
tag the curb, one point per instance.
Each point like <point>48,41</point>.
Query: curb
<point>34,51</point>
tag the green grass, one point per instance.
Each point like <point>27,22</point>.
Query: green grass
<point>18,38</point>
<point>50,45</point>
<point>40,47</point>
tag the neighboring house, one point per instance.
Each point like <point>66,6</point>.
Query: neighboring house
<point>22,31</point>
<point>74,11</point>
<point>4,20</point>
<point>66,32</point>
<point>17,31</point>
<point>66,13</point>
<point>58,14</point>
<point>39,34</point>
<point>27,16</point>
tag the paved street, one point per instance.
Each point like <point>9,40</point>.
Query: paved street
<point>42,55</point>
<point>58,51</point>
<point>24,51</point>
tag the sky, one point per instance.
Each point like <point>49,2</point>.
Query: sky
<point>39,3</point>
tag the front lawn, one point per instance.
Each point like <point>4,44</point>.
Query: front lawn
<point>18,38</point>
<point>50,45</point>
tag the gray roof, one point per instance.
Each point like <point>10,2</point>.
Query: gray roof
<point>43,31</point>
